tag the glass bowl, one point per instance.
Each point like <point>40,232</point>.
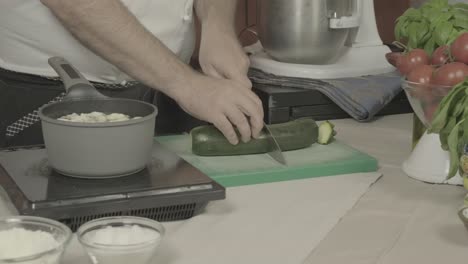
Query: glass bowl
<point>121,239</point>
<point>35,239</point>
<point>424,98</point>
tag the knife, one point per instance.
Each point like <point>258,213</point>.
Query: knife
<point>275,150</point>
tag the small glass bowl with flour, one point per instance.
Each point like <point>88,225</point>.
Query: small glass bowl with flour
<point>121,239</point>
<point>32,240</point>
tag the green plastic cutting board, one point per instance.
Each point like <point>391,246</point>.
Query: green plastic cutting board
<point>315,161</point>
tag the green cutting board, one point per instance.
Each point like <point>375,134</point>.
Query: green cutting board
<point>314,161</point>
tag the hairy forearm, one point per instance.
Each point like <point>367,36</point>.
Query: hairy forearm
<point>112,32</point>
<point>216,12</point>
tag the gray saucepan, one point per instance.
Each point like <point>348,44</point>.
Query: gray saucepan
<point>95,150</point>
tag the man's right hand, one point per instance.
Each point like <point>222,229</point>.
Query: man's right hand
<point>225,104</point>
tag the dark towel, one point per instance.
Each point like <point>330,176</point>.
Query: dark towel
<point>361,97</point>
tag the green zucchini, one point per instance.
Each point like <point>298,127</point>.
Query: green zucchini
<point>297,134</point>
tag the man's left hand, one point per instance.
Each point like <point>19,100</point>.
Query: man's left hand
<point>221,54</point>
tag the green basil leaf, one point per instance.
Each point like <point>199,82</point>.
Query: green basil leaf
<point>432,15</point>
<point>438,3</point>
<point>461,23</point>
<point>460,6</point>
<point>458,111</point>
<point>461,150</point>
<point>460,13</point>
<point>435,21</point>
<point>446,16</point>
<point>453,141</point>
<point>397,34</point>
<point>446,107</point>
<point>455,114</point>
<point>465,126</point>
<point>444,133</point>
<point>440,18</point>
<point>413,35</point>
<point>398,30</point>
<point>440,118</point>
<point>428,10</point>
<point>429,46</point>
<point>442,33</point>
<point>404,31</point>
<point>453,36</point>
<point>412,13</point>
<point>423,34</point>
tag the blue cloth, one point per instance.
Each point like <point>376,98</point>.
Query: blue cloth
<point>361,97</point>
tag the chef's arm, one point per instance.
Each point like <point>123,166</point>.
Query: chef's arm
<point>111,31</point>
<point>221,54</point>
<point>217,12</point>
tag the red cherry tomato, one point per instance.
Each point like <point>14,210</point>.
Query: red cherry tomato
<point>392,57</point>
<point>421,74</point>
<point>440,56</point>
<point>450,74</point>
<point>415,57</point>
<point>459,48</point>
<point>421,77</point>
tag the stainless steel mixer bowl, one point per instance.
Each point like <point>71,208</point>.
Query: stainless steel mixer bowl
<point>297,31</point>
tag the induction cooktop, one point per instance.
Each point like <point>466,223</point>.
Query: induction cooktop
<point>169,188</point>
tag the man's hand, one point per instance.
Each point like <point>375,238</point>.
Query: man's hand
<point>223,97</point>
<point>226,104</point>
<point>221,54</point>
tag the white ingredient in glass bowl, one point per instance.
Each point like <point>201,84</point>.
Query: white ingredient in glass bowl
<point>96,117</point>
<point>19,242</point>
<point>122,235</point>
<point>122,244</point>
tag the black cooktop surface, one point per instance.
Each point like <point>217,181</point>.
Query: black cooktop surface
<point>32,184</point>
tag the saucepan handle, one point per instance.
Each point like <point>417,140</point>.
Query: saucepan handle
<point>76,86</point>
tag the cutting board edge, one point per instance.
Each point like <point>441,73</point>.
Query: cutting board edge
<point>363,159</point>
<point>232,180</point>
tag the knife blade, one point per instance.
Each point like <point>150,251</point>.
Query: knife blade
<point>275,150</point>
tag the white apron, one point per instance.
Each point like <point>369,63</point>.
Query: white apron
<point>30,34</point>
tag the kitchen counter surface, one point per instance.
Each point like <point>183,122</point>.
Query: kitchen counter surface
<point>398,220</point>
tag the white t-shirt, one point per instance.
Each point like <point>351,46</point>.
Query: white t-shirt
<point>30,34</point>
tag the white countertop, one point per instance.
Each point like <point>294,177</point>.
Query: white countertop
<point>398,220</point>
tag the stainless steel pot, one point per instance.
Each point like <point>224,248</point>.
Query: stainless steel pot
<point>305,31</point>
<point>95,150</point>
